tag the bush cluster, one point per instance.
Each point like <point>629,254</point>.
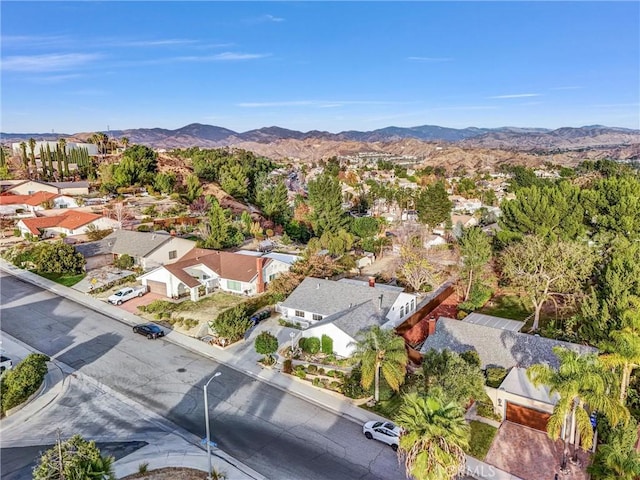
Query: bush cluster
<point>495,376</point>
<point>24,380</point>
<point>478,296</point>
<point>327,344</point>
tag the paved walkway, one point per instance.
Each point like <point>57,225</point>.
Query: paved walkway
<point>240,356</point>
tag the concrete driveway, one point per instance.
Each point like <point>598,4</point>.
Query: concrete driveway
<point>531,455</point>
<point>132,305</point>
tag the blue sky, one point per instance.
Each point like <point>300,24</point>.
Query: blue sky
<point>82,66</point>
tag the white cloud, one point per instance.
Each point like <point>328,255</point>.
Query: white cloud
<point>518,95</point>
<point>33,41</point>
<point>265,19</point>
<point>571,87</point>
<point>429,59</point>
<point>46,79</point>
<point>151,43</point>
<point>47,62</point>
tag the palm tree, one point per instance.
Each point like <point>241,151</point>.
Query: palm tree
<point>618,458</point>
<point>434,437</point>
<point>381,351</point>
<point>124,141</point>
<point>583,385</point>
<point>625,347</point>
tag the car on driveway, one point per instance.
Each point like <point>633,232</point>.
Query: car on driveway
<point>385,432</point>
<point>5,363</point>
<point>125,294</point>
<point>260,316</point>
<point>149,330</point>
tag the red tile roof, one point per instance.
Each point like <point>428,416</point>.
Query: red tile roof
<point>33,200</point>
<point>233,266</point>
<point>71,220</point>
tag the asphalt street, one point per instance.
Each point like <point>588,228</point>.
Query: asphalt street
<point>276,434</point>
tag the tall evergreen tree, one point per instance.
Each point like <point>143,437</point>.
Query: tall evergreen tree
<point>32,153</point>
<point>325,199</point>
<point>433,205</point>
<point>25,159</point>
<point>475,249</point>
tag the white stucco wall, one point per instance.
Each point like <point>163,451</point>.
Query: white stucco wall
<point>160,256</point>
<point>30,187</point>
<point>340,339</point>
<point>398,310</point>
<point>275,267</point>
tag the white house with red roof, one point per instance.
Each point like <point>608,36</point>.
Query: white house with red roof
<point>71,222</point>
<point>13,205</point>
<point>202,271</point>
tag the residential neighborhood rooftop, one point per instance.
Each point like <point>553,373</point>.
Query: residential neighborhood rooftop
<point>495,346</point>
<point>494,322</point>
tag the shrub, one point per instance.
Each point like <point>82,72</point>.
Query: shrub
<point>486,410</point>
<point>352,388</point>
<point>287,366</point>
<point>321,371</point>
<point>143,467</point>
<point>266,344</point>
<point>301,374</point>
<point>232,323</point>
<point>495,376</point>
<point>23,381</point>
<point>312,345</point>
<point>478,296</point>
<point>312,369</point>
<point>301,344</point>
<point>144,228</point>
<point>316,382</point>
<point>331,373</point>
<point>124,262</point>
<point>327,344</point>
<point>461,314</point>
<point>335,386</point>
<point>471,357</point>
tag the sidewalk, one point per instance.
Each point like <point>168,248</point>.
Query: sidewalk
<point>240,357</point>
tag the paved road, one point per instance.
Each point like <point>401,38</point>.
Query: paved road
<point>276,434</point>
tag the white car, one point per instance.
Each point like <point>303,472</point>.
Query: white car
<point>385,432</point>
<point>125,294</point>
<point>5,363</point>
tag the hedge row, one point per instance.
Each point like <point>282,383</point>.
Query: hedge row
<point>17,385</point>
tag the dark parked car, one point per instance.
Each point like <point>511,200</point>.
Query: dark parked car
<point>259,316</point>
<point>149,330</point>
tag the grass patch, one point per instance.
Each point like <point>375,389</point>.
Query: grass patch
<point>481,438</point>
<point>506,306</point>
<point>386,408</point>
<point>63,278</point>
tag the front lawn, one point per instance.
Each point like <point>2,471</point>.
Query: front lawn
<point>68,280</point>
<point>481,438</point>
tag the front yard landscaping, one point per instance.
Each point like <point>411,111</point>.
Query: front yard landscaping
<point>482,436</point>
<point>66,279</point>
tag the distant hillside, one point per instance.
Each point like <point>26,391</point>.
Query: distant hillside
<point>536,140</point>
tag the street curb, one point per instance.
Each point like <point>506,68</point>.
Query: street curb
<point>174,337</point>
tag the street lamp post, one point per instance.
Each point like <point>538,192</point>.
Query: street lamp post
<point>206,416</point>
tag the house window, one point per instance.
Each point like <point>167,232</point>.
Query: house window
<point>173,254</point>
<point>402,311</point>
<point>317,317</point>
<point>234,285</point>
<point>299,313</point>
<point>272,277</point>
<point>407,308</point>
<point>413,305</point>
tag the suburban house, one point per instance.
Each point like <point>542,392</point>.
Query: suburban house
<point>29,187</point>
<point>281,262</point>
<point>20,204</point>
<point>499,343</point>
<point>148,249</point>
<point>71,222</point>
<point>342,309</point>
<point>201,271</point>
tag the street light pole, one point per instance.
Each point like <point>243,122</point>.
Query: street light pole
<point>206,416</point>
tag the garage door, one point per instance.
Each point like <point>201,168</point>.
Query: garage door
<point>157,287</point>
<point>528,417</point>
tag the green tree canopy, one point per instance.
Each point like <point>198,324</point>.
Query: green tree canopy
<point>447,372</point>
<point>549,211</point>
<point>234,181</point>
<point>57,257</point>
<point>325,199</point>
<point>543,270</point>
<point>433,205</point>
<point>613,206</point>
<point>475,249</point>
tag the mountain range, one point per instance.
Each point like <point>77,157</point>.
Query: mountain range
<point>527,139</point>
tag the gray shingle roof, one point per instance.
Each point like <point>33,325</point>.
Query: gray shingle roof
<point>497,347</point>
<point>357,318</point>
<point>91,249</point>
<point>326,297</point>
<point>135,244</point>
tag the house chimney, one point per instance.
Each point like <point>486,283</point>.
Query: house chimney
<point>318,286</point>
<point>259,267</point>
<point>431,326</point>
<point>380,302</point>
<point>372,282</point>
